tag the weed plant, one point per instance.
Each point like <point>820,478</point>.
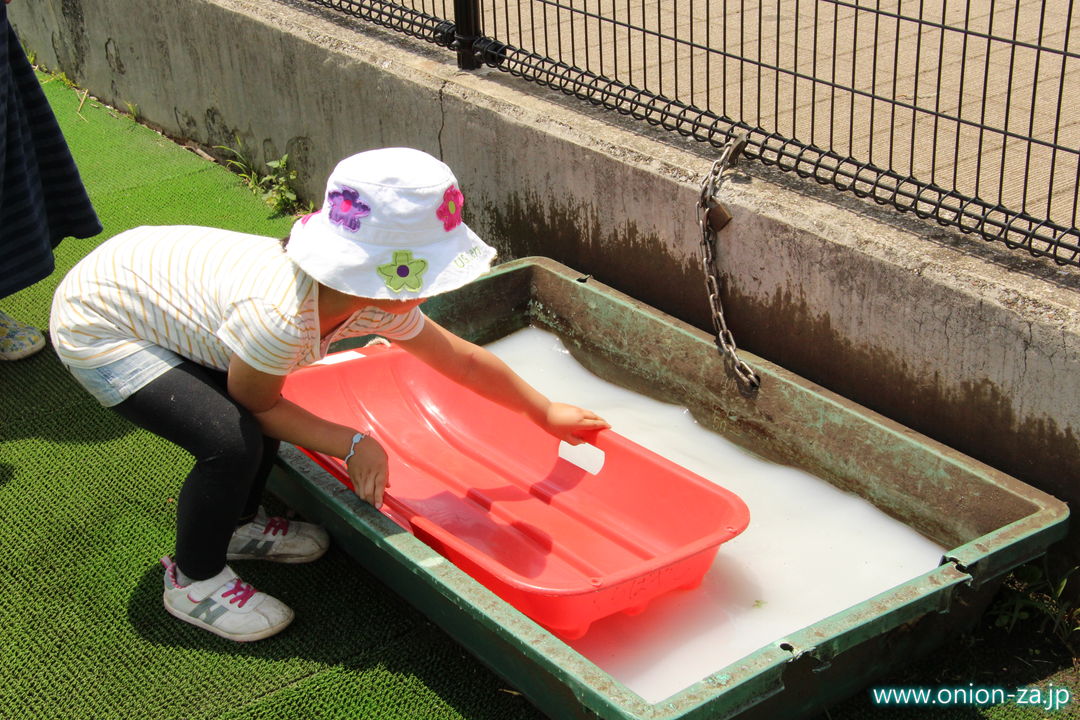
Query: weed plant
<point>1035,593</point>
<point>274,186</point>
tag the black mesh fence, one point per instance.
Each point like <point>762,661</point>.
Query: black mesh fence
<point>955,111</point>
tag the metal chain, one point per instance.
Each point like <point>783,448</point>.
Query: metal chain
<point>711,217</point>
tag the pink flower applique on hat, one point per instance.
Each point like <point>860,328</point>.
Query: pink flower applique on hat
<point>403,271</point>
<point>450,210</point>
<point>347,209</point>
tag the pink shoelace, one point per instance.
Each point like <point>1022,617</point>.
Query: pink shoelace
<point>275,524</point>
<point>241,592</point>
<point>170,570</point>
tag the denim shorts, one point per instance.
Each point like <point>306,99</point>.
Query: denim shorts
<point>114,383</point>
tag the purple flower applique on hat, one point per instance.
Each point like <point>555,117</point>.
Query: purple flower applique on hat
<point>450,210</point>
<point>347,209</point>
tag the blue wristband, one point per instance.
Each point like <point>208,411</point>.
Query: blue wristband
<point>352,448</point>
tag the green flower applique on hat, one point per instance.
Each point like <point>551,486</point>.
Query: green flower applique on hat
<point>403,271</point>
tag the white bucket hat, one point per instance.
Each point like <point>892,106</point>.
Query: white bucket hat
<point>390,228</point>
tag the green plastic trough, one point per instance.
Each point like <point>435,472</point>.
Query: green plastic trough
<point>991,521</point>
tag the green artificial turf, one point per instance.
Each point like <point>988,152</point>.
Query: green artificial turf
<point>86,508</point>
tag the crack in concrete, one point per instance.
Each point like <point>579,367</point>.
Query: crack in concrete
<point>442,115</point>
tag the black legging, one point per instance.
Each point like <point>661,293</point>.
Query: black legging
<point>190,406</point>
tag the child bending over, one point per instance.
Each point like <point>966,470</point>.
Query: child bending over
<point>190,332</point>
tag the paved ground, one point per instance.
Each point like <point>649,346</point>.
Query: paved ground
<point>825,72</point>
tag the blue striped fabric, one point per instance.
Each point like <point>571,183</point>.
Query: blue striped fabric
<point>42,198</point>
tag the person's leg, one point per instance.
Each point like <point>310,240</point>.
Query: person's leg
<point>189,406</point>
<point>219,516</point>
<point>258,484</point>
<point>219,379</point>
<point>261,537</point>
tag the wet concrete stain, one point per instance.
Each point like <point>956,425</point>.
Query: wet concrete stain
<point>612,250</point>
<point>299,149</point>
<point>977,418</point>
<point>187,125</point>
<point>218,131</point>
<point>269,150</point>
<point>69,40</point>
<point>112,56</point>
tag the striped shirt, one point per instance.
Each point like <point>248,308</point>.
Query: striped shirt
<point>204,294</point>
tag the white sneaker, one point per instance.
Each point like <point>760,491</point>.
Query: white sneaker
<point>278,539</point>
<point>17,339</point>
<point>224,605</point>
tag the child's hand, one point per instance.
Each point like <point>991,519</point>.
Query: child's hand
<point>368,471</point>
<point>568,422</point>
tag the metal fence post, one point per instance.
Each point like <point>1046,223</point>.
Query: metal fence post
<point>467,21</point>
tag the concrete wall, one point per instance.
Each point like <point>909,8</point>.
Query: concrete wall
<point>971,345</point>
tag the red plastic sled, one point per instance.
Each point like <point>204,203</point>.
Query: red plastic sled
<point>487,489</point>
